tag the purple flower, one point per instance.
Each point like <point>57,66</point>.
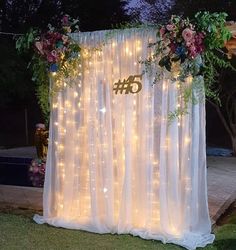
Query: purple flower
<point>50,58</point>
<point>65,20</point>
<point>37,172</point>
<point>173,47</point>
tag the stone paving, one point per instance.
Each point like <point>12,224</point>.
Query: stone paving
<point>221,189</point>
<point>221,184</point>
<point>21,197</point>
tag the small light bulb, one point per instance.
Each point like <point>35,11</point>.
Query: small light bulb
<point>103,110</point>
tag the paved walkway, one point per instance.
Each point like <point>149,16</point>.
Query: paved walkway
<point>221,189</point>
<point>221,184</point>
<point>21,197</point>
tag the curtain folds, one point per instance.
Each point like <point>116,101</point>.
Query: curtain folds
<point>115,164</point>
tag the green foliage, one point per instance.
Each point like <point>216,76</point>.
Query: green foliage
<point>18,223</point>
<point>212,64</point>
<point>50,50</point>
<point>208,63</point>
<point>39,71</point>
<point>213,25</point>
<point>41,79</point>
<point>176,114</point>
<point>24,43</point>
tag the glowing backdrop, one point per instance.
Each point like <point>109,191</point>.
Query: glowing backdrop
<point>115,164</point>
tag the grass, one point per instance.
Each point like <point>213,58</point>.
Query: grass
<point>18,231</point>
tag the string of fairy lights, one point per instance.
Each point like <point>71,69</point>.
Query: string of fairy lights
<point>97,152</point>
<point>70,104</point>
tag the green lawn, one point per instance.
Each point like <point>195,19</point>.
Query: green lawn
<point>18,231</point>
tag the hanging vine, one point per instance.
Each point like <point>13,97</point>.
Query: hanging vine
<point>53,51</point>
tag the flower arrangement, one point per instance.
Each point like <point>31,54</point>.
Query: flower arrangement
<point>52,51</point>
<point>181,42</point>
<point>56,47</point>
<point>37,172</point>
<point>192,49</point>
<point>186,48</point>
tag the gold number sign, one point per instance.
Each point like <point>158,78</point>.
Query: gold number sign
<point>129,85</point>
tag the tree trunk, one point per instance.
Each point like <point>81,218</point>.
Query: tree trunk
<point>233,139</point>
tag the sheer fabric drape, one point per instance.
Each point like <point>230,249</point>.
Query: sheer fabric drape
<point>115,164</point>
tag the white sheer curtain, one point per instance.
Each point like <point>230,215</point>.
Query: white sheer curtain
<point>114,163</point>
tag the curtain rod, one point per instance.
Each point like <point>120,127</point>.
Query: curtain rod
<point>10,34</point>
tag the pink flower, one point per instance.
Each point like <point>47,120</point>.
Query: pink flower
<point>51,58</point>
<point>39,47</point>
<point>170,27</point>
<point>188,34</point>
<point>35,169</point>
<point>42,170</point>
<point>189,44</point>
<point>54,53</point>
<point>193,51</point>
<point>162,31</point>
